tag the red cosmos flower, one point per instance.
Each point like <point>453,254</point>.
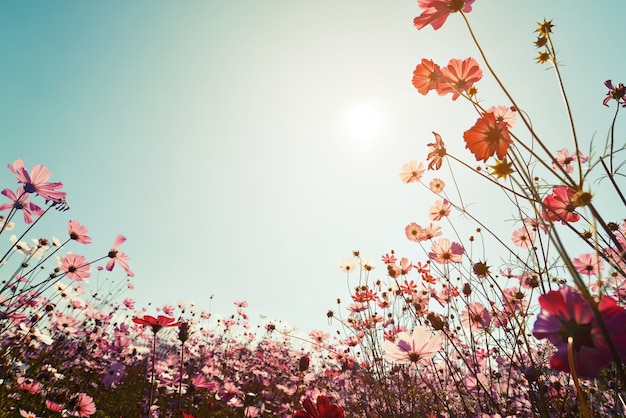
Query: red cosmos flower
<point>78,232</point>
<point>436,152</point>
<point>459,76</point>
<point>323,409</point>
<point>564,313</point>
<point>437,11</point>
<point>426,76</point>
<point>37,181</point>
<point>121,258</point>
<point>558,205</point>
<point>488,137</point>
<point>156,323</point>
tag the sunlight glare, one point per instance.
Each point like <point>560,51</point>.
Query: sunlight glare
<point>364,121</point>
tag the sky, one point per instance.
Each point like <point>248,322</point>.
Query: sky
<point>223,138</point>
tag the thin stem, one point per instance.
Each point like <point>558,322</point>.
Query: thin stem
<point>584,409</point>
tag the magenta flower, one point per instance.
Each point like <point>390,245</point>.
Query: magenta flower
<point>76,267</point>
<point>564,313</point>
<point>437,11</point>
<point>615,93</point>
<point>156,323</point>
<point>37,181</point>
<point>120,257</point>
<point>19,199</point>
<point>416,348</point>
<point>323,409</point>
<point>78,232</point>
<point>559,206</point>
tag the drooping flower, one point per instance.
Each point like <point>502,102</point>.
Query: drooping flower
<point>120,257</point>
<point>488,137</point>
<point>615,93</point>
<point>459,76</point>
<point>436,152</point>
<point>437,11</point>
<point>444,252</point>
<point>564,160</point>
<point>416,348</point>
<point>323,409</point>
<point>76,267</point>
<point>20,202</point>
<point>558,205</point>
<point>412,172</point>
<point>564,313</point>
<point>37,181</point>
<point>156,323</point>
<point>78,232</point>
<point>426,76</point>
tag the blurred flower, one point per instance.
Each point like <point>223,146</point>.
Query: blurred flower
<point>437,11</point>
<point>523,237</point>
<point>347,265</point>
<point>488,137</point>
<point>475,315</point>
<point>416,348</point>
<point>564,313</point>
<point>436,185</point>
<point>564,160</point>
<point>323,409</point>
<point>81,405</point>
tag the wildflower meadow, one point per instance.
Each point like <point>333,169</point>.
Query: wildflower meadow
<point>509,303</point>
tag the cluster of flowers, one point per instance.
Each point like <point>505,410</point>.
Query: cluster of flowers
<point>544,334</point>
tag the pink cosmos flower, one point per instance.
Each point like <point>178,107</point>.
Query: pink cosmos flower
<point>78,232</point>
<point>436,185</point>
<point>19,199</point>
<point>476,316</point>
<point>615,93</point>
<point>432,231</point>
<point>76,267</point>
<point>417,348</point>
<point>437,11</point>
<point>444,252</point>
<point>558,205</point>
<point>412,172</point>
<point>426,76</point>
<point>564,313</point>
<point>414,232</point>
<point>504,114</point>
<point>37,181</point>
<point>589,264</point>
<point>565,160</point>
<point>439,210</point>
<point>120,257</point>
<point>81,405</point>
<point>459,76</point>
<point>27,414</point>
<point>523,237</point>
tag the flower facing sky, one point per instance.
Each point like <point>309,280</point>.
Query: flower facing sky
<point>564,313</point>
<point>564,160</point>
<point>412,171</point>
<point>416,348</point>
<point>323,409</point>
<point>436,12</point>
<point>76,267</point>
<point>444,252</point>
<point>488,137</point>
<point>37,181</point>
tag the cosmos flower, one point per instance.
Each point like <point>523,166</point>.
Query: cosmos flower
<point>416,348</point>
<point>156,323</point>
<point>617,93</point>
<point>437,11</point>
<point>459,76</point>
<point>412,172</point>
<point>37,181</point>
<point>323,409</point>
<point>444,252</point>
<point>78,232</point>
<point>488,137</point>
<point>29,209</point>
<point>436,152</point>
<point>558,205</point>
<point>426,76</point>
<point>564,160</point>
<point>76,267</point>
<point>475,315</point>
<point>564,313</point>
<point>120,257</point>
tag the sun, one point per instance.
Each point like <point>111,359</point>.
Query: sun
<point>364,121</point>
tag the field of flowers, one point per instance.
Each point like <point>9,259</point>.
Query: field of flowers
<point>539,329</point>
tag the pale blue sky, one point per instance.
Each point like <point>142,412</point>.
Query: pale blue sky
<point>214,134</point>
